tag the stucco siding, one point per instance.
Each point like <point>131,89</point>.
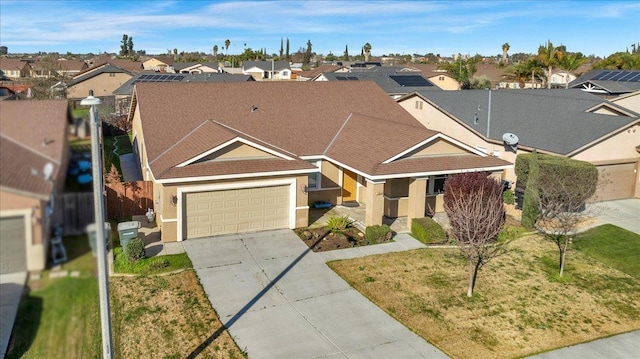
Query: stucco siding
<point>102,85</point>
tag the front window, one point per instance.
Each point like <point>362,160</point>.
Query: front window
<point>436,184</point>
<point>314,178</point>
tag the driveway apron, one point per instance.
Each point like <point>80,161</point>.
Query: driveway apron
<point>280,300</point>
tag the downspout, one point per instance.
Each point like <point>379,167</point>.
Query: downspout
<point>489,114</point>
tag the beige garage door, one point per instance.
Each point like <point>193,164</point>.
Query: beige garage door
<point>238,210</point>
<point>13,255</point>
<point>617,182</point>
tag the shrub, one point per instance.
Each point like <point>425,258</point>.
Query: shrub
<point>508,197</point>
<point>134,250</point>
<point>427,231</point>
<point>338,223</point>
<point>377,234</point>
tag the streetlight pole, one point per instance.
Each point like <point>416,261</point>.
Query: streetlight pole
<point>98,206</point>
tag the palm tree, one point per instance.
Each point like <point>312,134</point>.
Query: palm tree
<point>571,62</point>
<point>226,46</point>
<point>367,51</point>
<point>549,57</point>
<point>524,71</point>
<point>215,51</point>
<point>505,52</point>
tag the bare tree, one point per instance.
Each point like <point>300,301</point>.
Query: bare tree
<point>473,203</point>
<point>563,188</point>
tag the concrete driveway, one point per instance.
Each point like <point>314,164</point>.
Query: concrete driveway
<point>624,213</point>
<point>280,300</point>
<point>11,287</point>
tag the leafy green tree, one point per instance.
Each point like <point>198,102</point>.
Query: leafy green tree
<point>124,45</point>
<point>281,48</point>
<point>307,54</point>
<point>288,57</point>
<point>330,57</point>
<point>462,70</point>
<point>345,56</point>
<point>570,62</point>
<point>130,52</point>
<point>480,83</point>
<point>549,56</point>
<point>473,203</point>
<point>620,61</point>
<point>530,206</point>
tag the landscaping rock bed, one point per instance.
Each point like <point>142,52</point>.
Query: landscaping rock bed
<point>321,239</point>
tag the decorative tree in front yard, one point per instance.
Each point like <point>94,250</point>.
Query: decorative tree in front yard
<point>563,186</point>
<point>555,195</point>
<point>473,203</point>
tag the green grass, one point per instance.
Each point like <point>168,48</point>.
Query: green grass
<point>124,144</point>
<point>59,317</point>
<point>80,145</point>
<point>80,113</point>
<point>152,265</point>
<point>613,246</point>
<point>110,157</point>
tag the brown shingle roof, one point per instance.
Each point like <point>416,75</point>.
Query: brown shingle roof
<point>320,69</point>
<point>7,63</point>
<point>354,123</point>
<point>32,133</point>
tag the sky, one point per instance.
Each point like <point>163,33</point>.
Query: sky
<point>405,27</point>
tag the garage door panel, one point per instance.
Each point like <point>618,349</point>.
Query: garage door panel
<point>616,181</point>
<point>241,210</point>
<point>13,254</point>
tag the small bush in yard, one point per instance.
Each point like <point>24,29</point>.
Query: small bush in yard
<point>134,250</point>
<point>338,223</point>
<point>377,234</point>
<point>427,231</point>
<point>508,197</point>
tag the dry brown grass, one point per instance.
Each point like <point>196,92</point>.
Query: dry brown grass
<point>520,306</point>
<point>166,317</point>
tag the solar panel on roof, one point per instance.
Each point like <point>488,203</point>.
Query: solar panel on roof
<point>411,81</point>
<point>619,75</point>
<point>341,78</point>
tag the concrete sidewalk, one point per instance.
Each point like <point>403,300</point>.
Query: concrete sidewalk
<point>624,213</point>
<point>280,300</point>
<point>623,346</point>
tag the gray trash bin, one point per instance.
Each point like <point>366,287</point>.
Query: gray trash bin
<point>93,239</point>
<point>128,231</point>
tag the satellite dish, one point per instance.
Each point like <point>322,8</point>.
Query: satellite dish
<point>510,139</point>
<point>47,171</point>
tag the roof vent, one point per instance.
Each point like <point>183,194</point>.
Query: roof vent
<point>511,140</point>
<point>254,108</point>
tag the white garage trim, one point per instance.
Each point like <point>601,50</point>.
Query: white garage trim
<point>291,182</point>
<point>28,232</point>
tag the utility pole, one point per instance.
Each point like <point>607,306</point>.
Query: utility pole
<point>98,200</point>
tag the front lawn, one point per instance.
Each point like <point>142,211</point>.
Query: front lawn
<point>166,316</point>
<point>152,265</point>
<point>613,246</point>
<point>520,306</point>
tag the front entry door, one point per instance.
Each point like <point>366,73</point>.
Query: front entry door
<point>349,186</point>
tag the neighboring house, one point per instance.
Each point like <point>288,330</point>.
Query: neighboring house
<point>33,157</point>
<point>124,93</point>
<point>102,79</point>
<point>63,67</point>
<point>159,64</point>
<point>6,93</point>
<point>395,82</point>
<point>236,157</point>
<point>12,68</point>
<point>195,67</point>
<point>561,79</point>
<point>568,123</point>
<point>267,70</point>
<point>608,83</point>
<point>311,74</point>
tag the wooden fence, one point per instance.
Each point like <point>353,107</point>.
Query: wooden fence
<point>73,211</point>
<point>128,199</point>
